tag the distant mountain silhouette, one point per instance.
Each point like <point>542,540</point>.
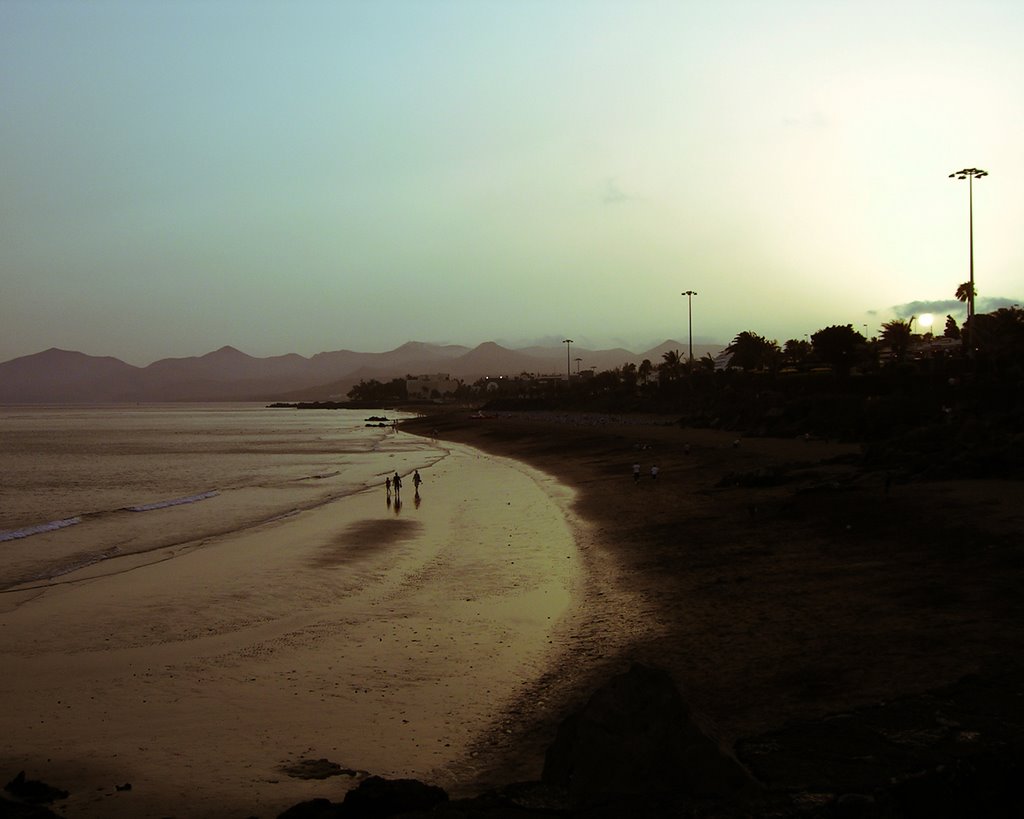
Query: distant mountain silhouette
<point>66,377</point>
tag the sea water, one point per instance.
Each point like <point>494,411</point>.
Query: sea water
<point>81,485</point>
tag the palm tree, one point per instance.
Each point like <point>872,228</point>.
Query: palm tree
<point>897,335</point>
<point>672,365</point>
<point>752,352</point>
<point>965,292</point>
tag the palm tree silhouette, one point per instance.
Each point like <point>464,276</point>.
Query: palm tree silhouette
<point>897,335</point>
<point>672,364</point>
<point>964,293</point>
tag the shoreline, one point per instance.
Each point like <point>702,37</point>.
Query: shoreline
<point>376,637</point>
<point>814,617</point>
<point>780,584</point>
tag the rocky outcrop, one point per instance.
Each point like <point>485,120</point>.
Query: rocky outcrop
<point>634,746</point>
<point>637,736</point>
<point>374,798</point>
<point>28,797</point>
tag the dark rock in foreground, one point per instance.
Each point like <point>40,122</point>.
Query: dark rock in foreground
<point>636,736</point>
<point>29,795</point>
<point>374,798</point>
<point>635,750</point>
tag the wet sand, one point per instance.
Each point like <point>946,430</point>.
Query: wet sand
<point>380,639</point>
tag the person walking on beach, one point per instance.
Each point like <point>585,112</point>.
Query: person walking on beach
<point>654,471</point>
<point>416,480</point>
<point>636,473</point>
<point>397,483</point>
<point>387,484</point>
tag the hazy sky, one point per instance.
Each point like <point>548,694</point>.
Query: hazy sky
<point>305,176</point>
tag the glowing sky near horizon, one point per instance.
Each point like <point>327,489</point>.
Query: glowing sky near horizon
<point>300,176</point>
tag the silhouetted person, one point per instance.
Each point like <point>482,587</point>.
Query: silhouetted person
<point>387,483</point>
<point>636,473</point>
<point>416,480</point>
<point>654,471</point>
<point>397,483</point>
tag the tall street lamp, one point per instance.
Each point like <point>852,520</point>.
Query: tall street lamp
<point>568,361</point>
<point>689,309</point>
<point>969,174</point>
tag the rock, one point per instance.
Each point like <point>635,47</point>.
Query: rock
<point>316,769</point>
<point>376,798</point>
<point>637,737</point>
<point>854,806</point>
<point>313,809</point>
<point>21,810</point>
<point>33,791</point>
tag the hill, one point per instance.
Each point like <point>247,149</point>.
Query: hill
<point>227,374</point>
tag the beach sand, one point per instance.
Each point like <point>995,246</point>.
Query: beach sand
<point>776,580</point>
<point>381,640</point>
<point>780,584</point>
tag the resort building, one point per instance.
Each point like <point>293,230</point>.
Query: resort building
<point>438,385</point>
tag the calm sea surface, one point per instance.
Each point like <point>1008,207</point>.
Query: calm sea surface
<point>81,485</point>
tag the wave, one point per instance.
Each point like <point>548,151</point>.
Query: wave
<point>148,507</point>
<point>15,534</point>
<point>54,525</point>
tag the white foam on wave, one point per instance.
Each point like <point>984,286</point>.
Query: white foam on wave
<point>15,534</point>
<point>147,507</point>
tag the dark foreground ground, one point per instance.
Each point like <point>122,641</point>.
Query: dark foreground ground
<point>844,631</point>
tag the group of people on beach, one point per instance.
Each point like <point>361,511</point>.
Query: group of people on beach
<point>395,483</point>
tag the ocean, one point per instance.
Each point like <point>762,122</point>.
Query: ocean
<point>81,485</point>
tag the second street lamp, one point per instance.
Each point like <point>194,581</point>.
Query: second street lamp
<point>970,174</point>
<point>689,310</point>
<point>568,361</point>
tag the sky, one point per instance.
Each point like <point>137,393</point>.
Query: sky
<point>295,177</point>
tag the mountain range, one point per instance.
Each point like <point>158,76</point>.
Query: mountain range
<point>66,377</point>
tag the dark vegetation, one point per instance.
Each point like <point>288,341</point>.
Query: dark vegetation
<point>920,404</point>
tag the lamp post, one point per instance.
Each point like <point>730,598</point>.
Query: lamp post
<point>578,360</point>
<point>969,174</point>
<point>568,361</point>
<point>689,311</point>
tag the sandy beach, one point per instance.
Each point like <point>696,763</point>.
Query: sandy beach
<point>835,628</point>
<point>377,638</point>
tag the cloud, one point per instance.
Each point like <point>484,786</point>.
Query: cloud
<point>940,306</point>
<point>954,307</point>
